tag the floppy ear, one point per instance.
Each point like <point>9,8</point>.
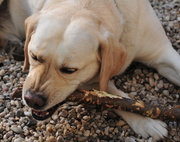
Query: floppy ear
<point>30,25</point>
<point>113,56</point>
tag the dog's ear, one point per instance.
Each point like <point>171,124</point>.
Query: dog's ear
<point>113,56</point>
<point>30,25</point>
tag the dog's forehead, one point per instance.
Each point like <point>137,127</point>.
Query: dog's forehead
<point>63,39</point>
<point>80,36</point>
<point>80,48</point>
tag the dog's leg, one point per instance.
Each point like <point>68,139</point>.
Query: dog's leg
<point>3,43</point>
<point>1,1</point>
<point>168,65</point>
<point>141,125</point>
<point>15,49</point>
<point>10,39</point>
<point>12,46</point>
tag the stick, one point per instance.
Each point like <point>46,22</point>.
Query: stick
<point>111,101</point>
<point>116,102</point>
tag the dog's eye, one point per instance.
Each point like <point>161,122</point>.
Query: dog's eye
<point>34,57</point>
<point>68,70</point>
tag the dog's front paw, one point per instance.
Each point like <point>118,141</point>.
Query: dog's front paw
<point>145,126</point>
<point>149,127</point>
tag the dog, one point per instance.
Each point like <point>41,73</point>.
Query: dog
<point>73,44</point>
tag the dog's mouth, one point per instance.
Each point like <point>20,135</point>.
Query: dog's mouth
<point>42,115</point>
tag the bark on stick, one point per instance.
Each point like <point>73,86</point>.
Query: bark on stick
<point>115,102</point>
<point>111,101</point>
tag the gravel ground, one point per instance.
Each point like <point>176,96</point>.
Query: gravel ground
<point>80,123</point>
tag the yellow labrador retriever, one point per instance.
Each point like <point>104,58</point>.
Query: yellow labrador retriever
<point>74,44</point>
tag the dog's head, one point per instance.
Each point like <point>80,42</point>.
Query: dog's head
<point>64,53</point>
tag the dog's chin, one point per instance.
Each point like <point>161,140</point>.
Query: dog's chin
<point>42,115</point>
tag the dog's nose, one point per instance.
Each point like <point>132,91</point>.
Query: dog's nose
<point>34,100</point>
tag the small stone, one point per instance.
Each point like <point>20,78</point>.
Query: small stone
<point>8,134</point>
<point>63,113</point>
<point>19,113</point>
<point>86,117</point>
<point>178,18</point>
<point>151,82</point>
<point>11,114</point>
<point>2,72</point>
<point>16,129</point>
<point>160,84</point>
<point>173,132</point>
<point>129,139</point>
<point>2,114</point>
<point>121,123</point>
<point>125,127</point>
<point>60,139</point>
<point>166,92</point>
<point>55,116</point>
<point>8,62</point>
<point>6,78</point>
<point>49,128</point>
<point>176,138</point>
<point>106,131</point>
<point>98,117</point>
<point>133,89</point>
<point>147,86</point>
<point>19,140</point>
<point>86,133</point>
<point>98,131</point>
<point>82,139</point>
<point>79,108</point>
<point>40,139</point>
<point>58,126</point>
<point>4,87</point>
<point>51,139</point>
<point>31,122</point>
<point>1,109</point>
<point>156,76</point>
<point>171,88</point>
<point>138,71</point>
<point>72,114</point>
<point>27,113</point>
<point>21,79</point>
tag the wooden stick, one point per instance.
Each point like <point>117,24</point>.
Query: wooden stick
<point>116,102</point>
<point>111,101</point>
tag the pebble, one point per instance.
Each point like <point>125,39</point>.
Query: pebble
<point>55,116</point>
<point>60,139</point>
<point>31,122</point>
<point>16,129</point>
<point>51,139</point>
<point>1,109</point>
<point>6,78</point>
<point>129,139</point>
<point>19,140</point>
<point>2,72</point>
<point>63,113</point>
<point>98,117</point>
<point>82,139</point>
<point>151,82</point>
<point>2,114</point>
<point>121,123</point>
<point>86,133</point>
<point>27,113</point>
<point>166,92</point>
<point>19,113</point>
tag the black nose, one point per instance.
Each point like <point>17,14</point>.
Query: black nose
<point>34,100</point>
